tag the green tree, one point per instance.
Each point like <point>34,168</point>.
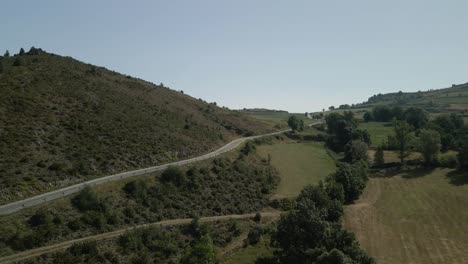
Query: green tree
<point>352,177</point>
<point>416,117</point>
<point>21,52</point>
<point>429,145</point>
<point>293,123</point>
<point>403,139</point>
<point>1,66</point>
<point>356,150</point>
<point>201,252</point>
<point>367,116</point>
<point>7,54</point>
<point>379,159</point>
<point>463,155</point>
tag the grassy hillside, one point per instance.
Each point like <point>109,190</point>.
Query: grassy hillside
<point>453,99</point>
<point>63,121</point>
<point>414,217</point>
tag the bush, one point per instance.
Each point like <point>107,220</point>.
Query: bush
<point>255,235</point>
<point>17,62</point>
<point>258,217</point>
<point>174,175</point>
<point>448,161</point>
<point>87,200</point>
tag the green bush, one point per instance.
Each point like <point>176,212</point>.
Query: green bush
<point>173,175</point>
<point>255,235</point>
<point>87,200</point>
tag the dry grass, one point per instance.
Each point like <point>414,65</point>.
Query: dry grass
<point>416,217</point>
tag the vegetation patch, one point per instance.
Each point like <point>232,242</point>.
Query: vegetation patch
<point>226,185</point>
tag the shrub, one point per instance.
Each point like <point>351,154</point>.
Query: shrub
<point>173,175</point>
<point>448,161</point>
<point>379,160</point>
<point>255,235</point>
<point>87,200</point>
<point>257,217</point>
<point>17,62</point>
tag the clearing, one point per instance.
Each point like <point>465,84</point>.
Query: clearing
<point>298,163</point>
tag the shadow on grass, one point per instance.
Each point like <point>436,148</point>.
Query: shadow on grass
<point>407,172</point>
<point>458,178</point>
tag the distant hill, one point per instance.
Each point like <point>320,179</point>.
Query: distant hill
<point>452,99</point>
<point>63,121</point>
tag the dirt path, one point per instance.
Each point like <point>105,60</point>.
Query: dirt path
<point>64,245</point>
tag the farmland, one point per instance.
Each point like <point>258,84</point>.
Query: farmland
<point>298,163</point>
<point>413,217</point>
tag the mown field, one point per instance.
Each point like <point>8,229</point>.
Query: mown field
<point>298,164</point>
<point>415,217</point>
<point>379,131</point>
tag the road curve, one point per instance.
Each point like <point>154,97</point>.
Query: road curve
<point>49,196</point>
<point>64,245</point>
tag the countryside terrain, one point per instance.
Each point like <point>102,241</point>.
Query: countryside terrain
<point>63,121</point>
<point>384,181</point>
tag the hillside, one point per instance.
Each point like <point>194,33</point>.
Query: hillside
<point>63,121</point>
<point>453,99</point>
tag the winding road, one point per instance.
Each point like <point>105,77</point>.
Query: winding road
<point>49,196</point>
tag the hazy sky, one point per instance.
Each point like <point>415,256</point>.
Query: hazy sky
<point>293,55</point>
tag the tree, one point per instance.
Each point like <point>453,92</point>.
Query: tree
<point>201,252</point>
<point>295,124</point>
<point>403,139</point>
<point>7,54</point>
<point>352,177</point>
<point>379,160</point>
<point>367,117</point>
<point>1,66</point>
<point>463,155</point>
<point>429,145</point>
<point>356,150</point>
<point>331,108</point>
<point>416,117</point>
<point>21,52</point>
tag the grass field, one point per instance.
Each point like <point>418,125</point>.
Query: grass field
<point>417,217</point>
<point>299,164</point>
<point>280,119</point>
<point>379,131</point>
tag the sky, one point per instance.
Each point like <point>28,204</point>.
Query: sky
<point>299,56</point>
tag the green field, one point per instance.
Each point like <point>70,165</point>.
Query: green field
<point>416,217</point>
<point>299,164</point>
<point>379,131</point>
<point>280,119</point>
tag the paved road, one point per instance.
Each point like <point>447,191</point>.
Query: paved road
<point>42,198</point>
<point>64,245</point>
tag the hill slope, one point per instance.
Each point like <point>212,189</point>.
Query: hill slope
<point>63,121</point>
<point>453,99</point>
